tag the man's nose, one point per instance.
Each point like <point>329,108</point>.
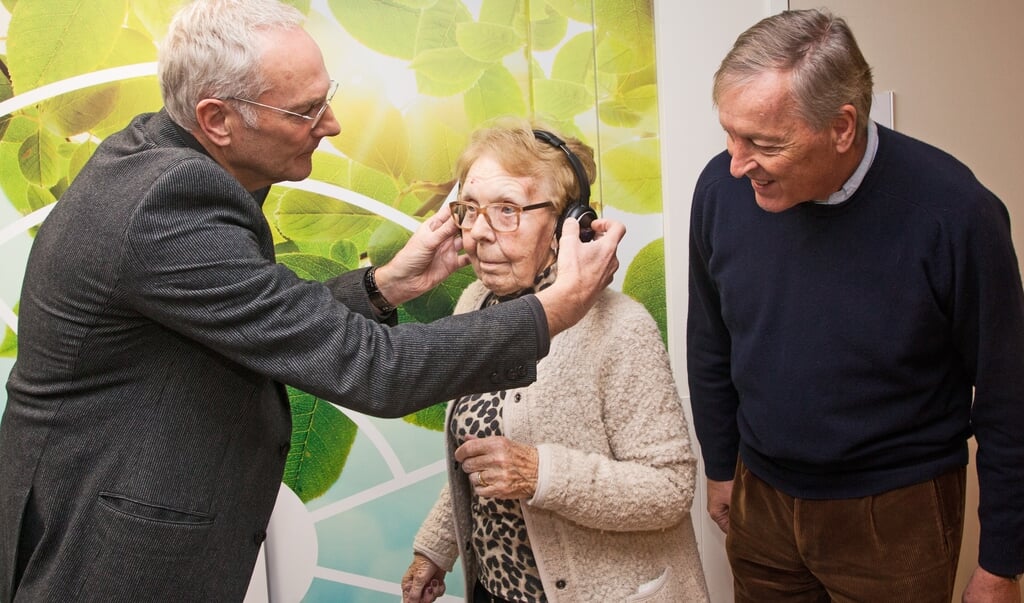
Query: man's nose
<point>328,125</point>
<point>741,161</point>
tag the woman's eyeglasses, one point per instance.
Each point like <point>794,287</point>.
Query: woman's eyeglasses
<point>501,217</point>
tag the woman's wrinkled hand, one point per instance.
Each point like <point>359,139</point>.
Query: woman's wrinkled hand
<point>499,467</point>
<point>423,582</point>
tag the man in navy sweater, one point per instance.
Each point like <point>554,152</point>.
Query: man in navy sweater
<point>856,315</point>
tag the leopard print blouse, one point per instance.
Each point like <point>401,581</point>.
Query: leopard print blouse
<point>506,562</point>
<point>507,566</point>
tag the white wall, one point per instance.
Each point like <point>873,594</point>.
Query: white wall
<point>691,38</point>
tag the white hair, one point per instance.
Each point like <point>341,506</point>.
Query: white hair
<point>213,49</point>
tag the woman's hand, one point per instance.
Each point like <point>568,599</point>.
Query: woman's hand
<point>499,467</point>
<point>423,582</point>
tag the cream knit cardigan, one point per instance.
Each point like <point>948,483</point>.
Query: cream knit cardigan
<point>610,518</point>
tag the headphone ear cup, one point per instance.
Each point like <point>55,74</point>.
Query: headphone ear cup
<point>584,214</point>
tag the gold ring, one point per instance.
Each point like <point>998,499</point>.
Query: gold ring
<point>480,483</point>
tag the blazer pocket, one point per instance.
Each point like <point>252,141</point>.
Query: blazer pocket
<point>146,529</point>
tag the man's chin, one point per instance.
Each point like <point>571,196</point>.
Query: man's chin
<point>300,169</point>
<point>773,204</point>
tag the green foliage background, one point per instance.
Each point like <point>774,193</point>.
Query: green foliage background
<point>585,67</point>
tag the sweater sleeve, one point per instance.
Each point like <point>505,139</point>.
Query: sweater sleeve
<point>989,330</point>
<point>713,396</point>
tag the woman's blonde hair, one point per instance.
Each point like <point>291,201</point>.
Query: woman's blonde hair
<point>512,143</point>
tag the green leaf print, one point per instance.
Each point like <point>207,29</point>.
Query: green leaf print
<point>487,42</point>
<point>645,282</point>
<point>389,28</point>
<point>53,40</point>
<point>431,417</point>
<point>322,437</point>
<point>9,344</point>
<point>303,216</point>
<point>632,176</point>
<point>312,267</point>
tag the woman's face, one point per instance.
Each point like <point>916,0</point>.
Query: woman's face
<point>507,262</point>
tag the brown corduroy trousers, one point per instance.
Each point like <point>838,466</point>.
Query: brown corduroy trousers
<point>900,546</point>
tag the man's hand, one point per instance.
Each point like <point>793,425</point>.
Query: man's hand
<point>719,496</point>
<point>985,587</point>
<point>423,582</point>
<point>584,270</point>
<point>426,259</point>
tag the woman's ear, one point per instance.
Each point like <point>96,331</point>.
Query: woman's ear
<point>212,115</point>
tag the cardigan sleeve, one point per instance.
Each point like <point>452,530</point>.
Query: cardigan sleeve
<point>645,479</point>
<point>436,536</point>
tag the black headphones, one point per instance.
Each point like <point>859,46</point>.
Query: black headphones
<point>578,209</point>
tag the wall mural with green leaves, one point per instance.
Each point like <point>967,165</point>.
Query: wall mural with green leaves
<point>417,77</point>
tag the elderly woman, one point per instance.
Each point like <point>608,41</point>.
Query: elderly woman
<point>578,487</point>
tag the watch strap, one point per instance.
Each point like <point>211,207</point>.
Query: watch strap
<point>376,297</point>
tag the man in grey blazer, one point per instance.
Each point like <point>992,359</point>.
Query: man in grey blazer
<point>147,423</point>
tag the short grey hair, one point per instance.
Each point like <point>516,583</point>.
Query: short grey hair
<point>817,50</point>
<point>213,50</point>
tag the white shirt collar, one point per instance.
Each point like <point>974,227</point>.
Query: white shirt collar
<point>851,185</point>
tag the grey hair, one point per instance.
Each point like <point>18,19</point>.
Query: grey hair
<point>818,50</point>
<point>213,50</point>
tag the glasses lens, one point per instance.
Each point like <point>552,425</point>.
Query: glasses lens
<point>504,217</point>
<point>327,103</point>
<point>501,217</point>
<point>463,214</point>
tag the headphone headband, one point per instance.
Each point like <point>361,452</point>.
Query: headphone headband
<point>578,209</point>
<point>574,162</point>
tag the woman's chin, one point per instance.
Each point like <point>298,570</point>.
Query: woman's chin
<point>499,287</point>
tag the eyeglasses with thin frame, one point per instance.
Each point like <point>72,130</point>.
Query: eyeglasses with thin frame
<point>501,217</point>
<point>313,119</point>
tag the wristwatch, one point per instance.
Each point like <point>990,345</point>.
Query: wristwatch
<point>376,297</point>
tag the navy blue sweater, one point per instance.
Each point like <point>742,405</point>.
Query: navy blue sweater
<point>838,349</point>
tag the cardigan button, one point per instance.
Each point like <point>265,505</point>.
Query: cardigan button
<point>517,398</point>
<point>495,377</point>
<point>560,584</point>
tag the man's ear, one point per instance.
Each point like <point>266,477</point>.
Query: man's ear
<point>212,115</point>
<point>844,128</point>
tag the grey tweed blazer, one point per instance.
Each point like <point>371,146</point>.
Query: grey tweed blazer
<point>147,424</point>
